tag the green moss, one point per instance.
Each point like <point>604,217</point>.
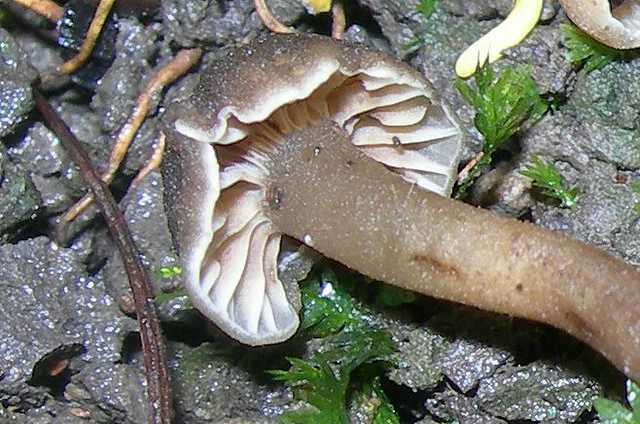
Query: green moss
<point>547,179</point>
<point>587,52</point>
<point>169,271</point>
<point>425,8</point>
<point>347,369</point>
<point>504,104</point>
<point>163,298</point>
<point>635,187</point>
<point>614,413</point>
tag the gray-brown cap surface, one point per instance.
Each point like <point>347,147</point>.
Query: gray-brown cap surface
<point>220,138</point>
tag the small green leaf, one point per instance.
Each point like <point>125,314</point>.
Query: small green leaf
<point>614,413</point>
<point>412,46</point>
<point>584,50</point>
<point>633,397</point>
<point>373,394</point>
<point>547,179</point>
<point>326,306</point>
<point>392,296</point>
<point>163,298</point>
<point>426,7</point>
<point>635,187</point>
<point>169,271</point>
<point>316,382</point>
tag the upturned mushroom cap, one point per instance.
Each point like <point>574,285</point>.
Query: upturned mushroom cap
<point>616,26</point>
<point>219,140</point>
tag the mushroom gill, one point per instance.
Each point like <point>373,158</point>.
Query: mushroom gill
<point>616,24</point>
<point>247,105</point>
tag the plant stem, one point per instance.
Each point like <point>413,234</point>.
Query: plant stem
<point>154,354</point>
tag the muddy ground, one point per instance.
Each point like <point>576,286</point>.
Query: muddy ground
<point>67,301</point>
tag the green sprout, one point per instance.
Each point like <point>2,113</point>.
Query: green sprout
<point>635,187</point>
<point>4,17</point>
<point>375,404</point>
<point>169,271</point>
<point>503,106</point>
<point>614,413</point>
<point>162,298</point>
<point>547,179</point>
<point>348,367</point>
<point>392,296</point>
<point>425,9</point>
<point>584,50</point>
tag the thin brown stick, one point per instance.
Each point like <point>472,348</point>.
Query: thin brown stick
<point>468,167</point>
<point>339,20</point>
<point>152,164</point>
<point>100,17</point>
<point>153,348</point>
<point>184,60</point>
<point>45,8</point>
<point>271,22</point>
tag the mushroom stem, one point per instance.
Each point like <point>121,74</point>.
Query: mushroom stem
<point>339,20</point>
<point>356,211</point>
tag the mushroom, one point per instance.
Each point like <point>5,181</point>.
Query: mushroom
<point>509,33</point>
<point>614,23</point>
<point>352,153</point>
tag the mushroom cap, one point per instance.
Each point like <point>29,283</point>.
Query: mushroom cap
<point>218,140</point>
<point>317,6</point>
<point>509,33</point>
<point>617,27</point>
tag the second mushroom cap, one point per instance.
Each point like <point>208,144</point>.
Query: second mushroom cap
<point>617,26</point>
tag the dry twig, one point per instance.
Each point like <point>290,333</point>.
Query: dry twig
<point>98,21</point>
<point>153,348</point>
<point>184,60</point>
<point>152,164</point>
<point>462,175</point>
<point>270,21</point>
<point>45,8</point>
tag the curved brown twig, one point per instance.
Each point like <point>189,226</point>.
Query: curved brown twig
<point>181,63</point>
<point>45,8</point>
<point>99,19</point>
<point>270,21</point>
<point>153,163</point>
